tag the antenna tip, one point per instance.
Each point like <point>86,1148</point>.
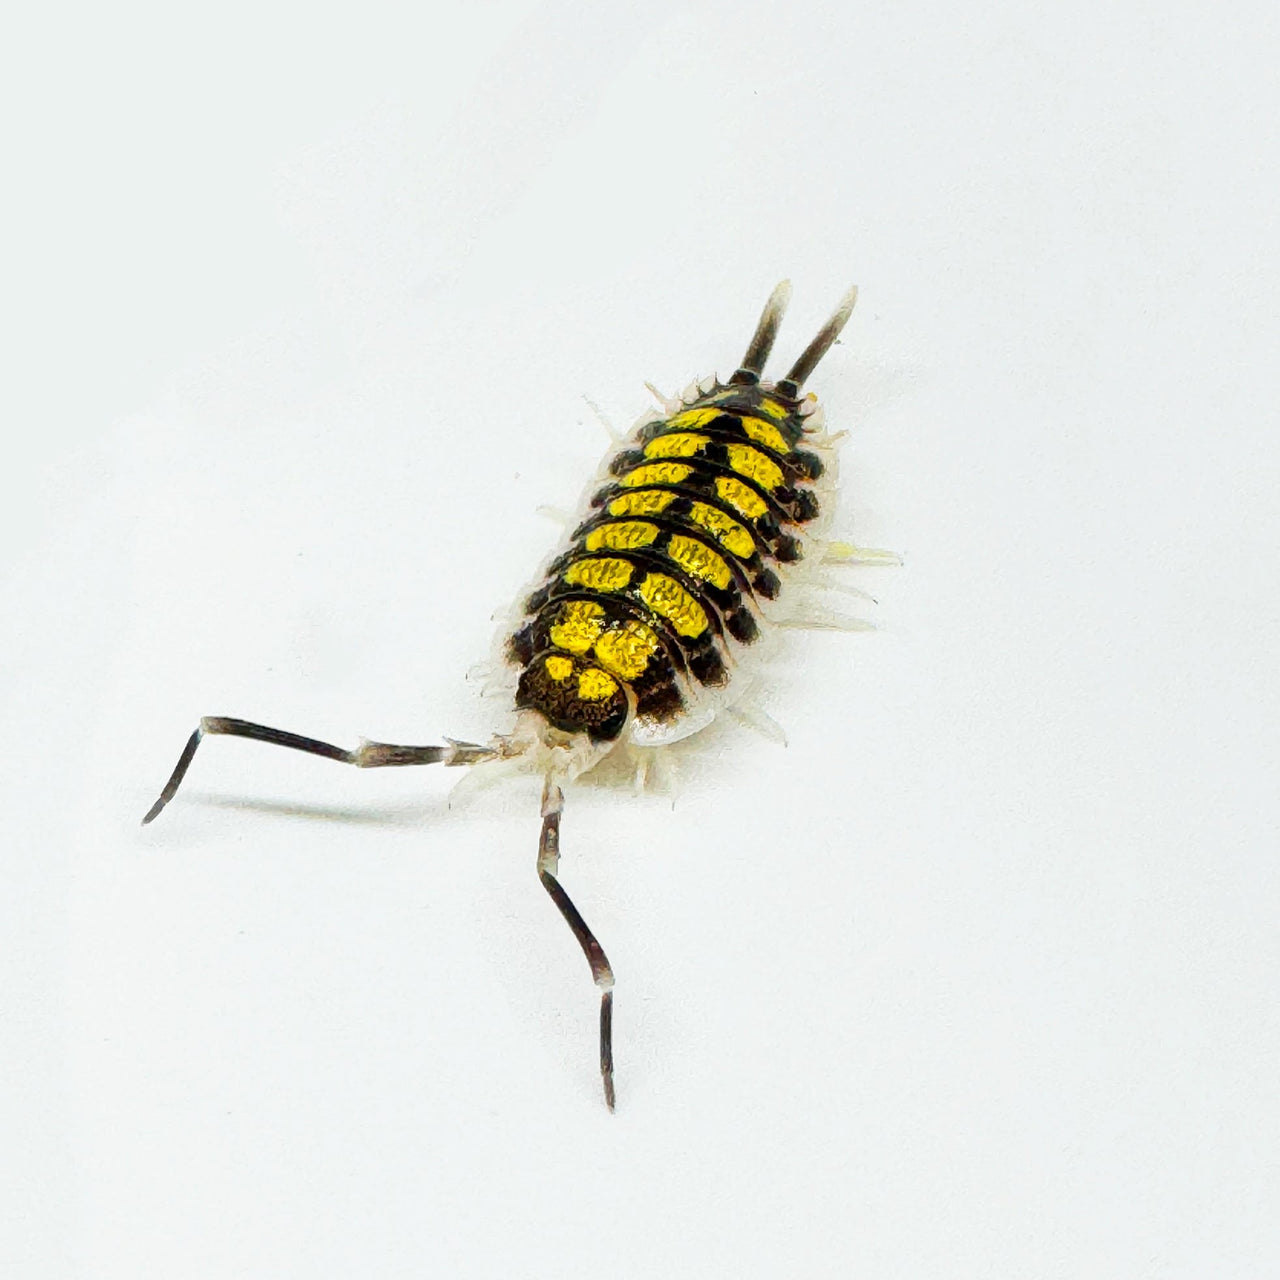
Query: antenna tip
<point>823,343</point>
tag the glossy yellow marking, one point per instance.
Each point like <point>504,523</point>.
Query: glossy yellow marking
<point>595,685</point>
<point>657,473</point>
<point>751,463</point>
<point>695,417</point>
<point>624,536</point>
<point>578,626</point>
<point>699,560</point>
<point>728,532</point>
<point>605,574</point>
<point>766,433</point>
<point>668,599</point>
<point>646,502</point>
<point>626,650</point>
<point>679,444</point>
<point>559,668</point>
<point>774,409</point>
<point>740,498</point>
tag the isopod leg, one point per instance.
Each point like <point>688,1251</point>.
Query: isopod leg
<point>369,755</point>
<point>601,972</point>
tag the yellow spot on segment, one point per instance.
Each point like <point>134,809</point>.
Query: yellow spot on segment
<point>679,444</point>
<point>559,668</point>
<point>668,599</point>
<point>578,626</point>
<point>695,417</point>
<point>657,473</point>
<point>622,537</point>
<point>728,532</point>
<point>646,502</point>
<point>740,498</point>
<point>626,650</point>
<point>605,574</point>
<point>595,685</point>
<point>774,409</point>
<point>699,560</point>
<point>751,463</point>
<point>766,433</point>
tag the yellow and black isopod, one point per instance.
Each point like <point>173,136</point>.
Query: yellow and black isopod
<point>636,634</point>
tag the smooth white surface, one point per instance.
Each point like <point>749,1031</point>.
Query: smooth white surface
<point>976,978</point>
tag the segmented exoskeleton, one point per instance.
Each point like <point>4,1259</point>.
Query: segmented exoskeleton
<point>633,634</point>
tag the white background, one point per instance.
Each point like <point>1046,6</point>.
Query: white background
<point>978,977</point>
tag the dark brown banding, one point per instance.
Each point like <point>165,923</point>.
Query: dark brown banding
<point>536,633</point>
<point>730,610</point>
<point>659,688</point>
<point>750,576</point>
<point>673,644</point>
<point>646,560</point>
<point>677,511</point>
<point>797,464</point>
<point>701,653</point>
<point>707,467</point>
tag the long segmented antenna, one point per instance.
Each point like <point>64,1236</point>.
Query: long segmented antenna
<point>601,971</point>
<point>368,755</point>
<point>761,344</point>
<point>819,347</point>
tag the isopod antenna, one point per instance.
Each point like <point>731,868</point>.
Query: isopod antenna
<point>601,970</point>
<point>368,755</point>
<point>761,344</point>
<point>822,343</point>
